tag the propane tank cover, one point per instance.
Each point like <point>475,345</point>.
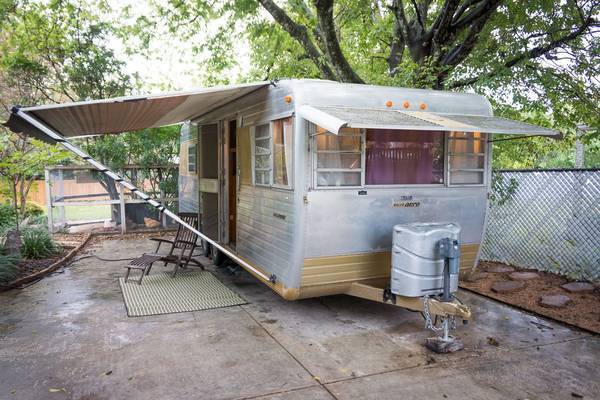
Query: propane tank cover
<point>418,259</point>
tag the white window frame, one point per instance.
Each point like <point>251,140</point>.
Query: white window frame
<point>271,169</point>
<point>363,152</point>
<point>313,143</point>
<point>195,153</point>
<point>290,174</point>
<point>483,170</point>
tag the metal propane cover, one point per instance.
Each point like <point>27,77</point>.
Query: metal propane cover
<point>417,266</point>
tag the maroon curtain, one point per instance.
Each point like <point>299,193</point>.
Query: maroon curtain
<point>397,157</point>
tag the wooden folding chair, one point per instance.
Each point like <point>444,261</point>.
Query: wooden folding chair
<point>181,252</point>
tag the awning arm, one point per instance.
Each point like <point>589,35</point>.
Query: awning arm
<point>322,119</point>
<point>57,137</point>
<point>555,137</point>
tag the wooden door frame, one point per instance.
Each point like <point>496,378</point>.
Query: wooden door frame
<point>224,179</point>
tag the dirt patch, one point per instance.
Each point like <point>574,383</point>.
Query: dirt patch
<point>29,267</point>
<point>101,236</point>
<point>583,310</point>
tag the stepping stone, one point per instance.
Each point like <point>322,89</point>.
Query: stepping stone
<point>476,276</point>
<point>523,276</point>
<point>507,286</point>
<point>554,301</point>
<point>578,287</point>
<point>501,268</point>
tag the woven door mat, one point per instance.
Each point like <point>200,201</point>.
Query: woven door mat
<point>164,294</point>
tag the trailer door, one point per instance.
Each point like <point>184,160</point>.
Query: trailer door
<point>209,179</point>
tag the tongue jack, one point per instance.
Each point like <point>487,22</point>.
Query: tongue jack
<point>450,250</point>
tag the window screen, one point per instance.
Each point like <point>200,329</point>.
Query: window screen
<point>192,158</point>
<point>467,158</point>
<point>262,155</point>
<point>339,158</point>
<point>282,152</point>
<point>402,157</point>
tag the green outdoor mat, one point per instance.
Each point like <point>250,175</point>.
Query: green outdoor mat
<point>188,291</point>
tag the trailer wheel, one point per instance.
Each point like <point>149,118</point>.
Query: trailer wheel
<point>205,248</point>
<point>218,257</point>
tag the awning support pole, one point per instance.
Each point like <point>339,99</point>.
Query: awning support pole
<point>106,171</point>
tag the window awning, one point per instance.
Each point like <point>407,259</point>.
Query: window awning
<point>127,113</point>
<point>335,118</point>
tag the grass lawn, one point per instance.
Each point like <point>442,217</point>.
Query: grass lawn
<point>86,213</point>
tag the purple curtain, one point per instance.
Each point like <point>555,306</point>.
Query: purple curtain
<point>397,157</point>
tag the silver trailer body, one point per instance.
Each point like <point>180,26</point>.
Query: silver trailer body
<point>302,181</point>
<point>318,240</point>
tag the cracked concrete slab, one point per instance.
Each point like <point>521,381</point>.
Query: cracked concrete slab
<point>559,371</point>
<point>70,331</point>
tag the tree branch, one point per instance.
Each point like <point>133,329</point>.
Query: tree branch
<point>461,10</point>
<point>399,32</point>
<point>300,34</point>
<point>418,14</point>
<point>441,26</point>
<point>533,53</point>
<point>458,54</point>
<point>332,44</point>
<point>478,12</point>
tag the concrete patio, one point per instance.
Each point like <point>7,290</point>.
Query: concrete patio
<point>68,337</point>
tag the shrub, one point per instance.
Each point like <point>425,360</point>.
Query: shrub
<point>9,267</point>
<point>38,220</point>
<point>37,243</point>
<point>33,210</point>
<point>7,215</point>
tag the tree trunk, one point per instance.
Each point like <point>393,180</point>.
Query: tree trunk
<point>15,203</point>
<point>13,243</point>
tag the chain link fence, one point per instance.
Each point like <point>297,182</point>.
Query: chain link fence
<point>547,220</point>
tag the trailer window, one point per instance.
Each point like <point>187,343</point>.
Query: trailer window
<point>282,152</point>
<point>467,158</point>
<point>192,158</point>
<point>402,157</point>
<point>262,155</point>
<point>339,157</point>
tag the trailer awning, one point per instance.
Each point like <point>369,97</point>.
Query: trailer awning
<point>335,118</point>
<point>127,113</point>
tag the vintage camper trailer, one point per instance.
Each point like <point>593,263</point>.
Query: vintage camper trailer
<point>306,179</point>
<point>302,182</point>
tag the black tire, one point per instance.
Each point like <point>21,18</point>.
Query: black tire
<point>218,257</point>
<point>205,248</point>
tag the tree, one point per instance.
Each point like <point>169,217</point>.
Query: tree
<point>536,60</point>
<point>22,161</point>
<point>147,149</point>
<point>52,52</point>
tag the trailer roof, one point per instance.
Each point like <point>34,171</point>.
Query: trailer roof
<point>335,118</point>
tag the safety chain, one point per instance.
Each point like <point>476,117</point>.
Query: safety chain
<point>429,322</point>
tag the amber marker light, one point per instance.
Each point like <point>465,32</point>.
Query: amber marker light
<point>389,103</point>
<point>406,104</point>
<point>287,99</point>
<point>422,106</point>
